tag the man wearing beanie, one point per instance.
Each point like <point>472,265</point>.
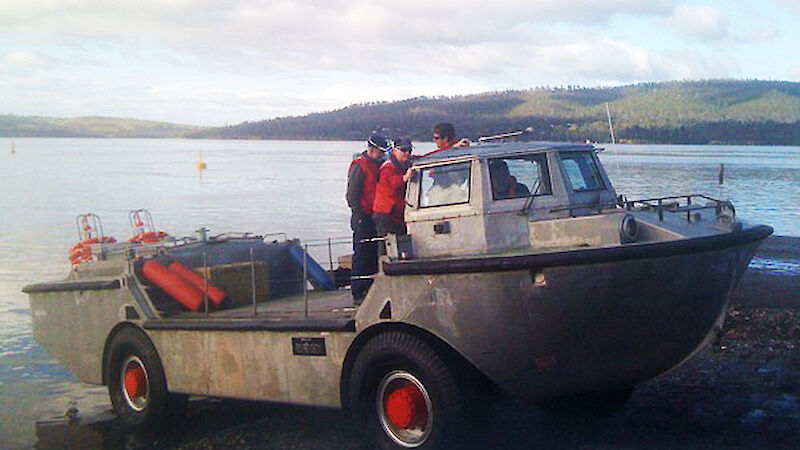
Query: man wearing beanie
<point>362,179</point>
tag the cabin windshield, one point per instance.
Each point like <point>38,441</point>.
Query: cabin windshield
<point>445,185</point>
<point>520,176</point>
<point>582,171</point>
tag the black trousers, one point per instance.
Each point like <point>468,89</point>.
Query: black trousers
<point>365,255</point>
<point>385,225</point>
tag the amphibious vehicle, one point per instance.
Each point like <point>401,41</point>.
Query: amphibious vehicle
<point>523,273</point>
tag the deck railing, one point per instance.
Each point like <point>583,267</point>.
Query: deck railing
<point>683,204</point>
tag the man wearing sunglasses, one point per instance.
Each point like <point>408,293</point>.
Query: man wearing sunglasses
<point>362,179</point>
<point>444,136</point>
<point>390,193</point>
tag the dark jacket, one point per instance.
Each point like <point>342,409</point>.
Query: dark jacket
<point>362,179</point>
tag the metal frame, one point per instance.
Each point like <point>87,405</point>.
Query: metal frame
<point>85,231</point>
<point>662,206</point>
<point>141,221</point>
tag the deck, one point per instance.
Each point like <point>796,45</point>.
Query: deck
<point>326,311</point>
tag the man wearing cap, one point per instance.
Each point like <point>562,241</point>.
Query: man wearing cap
<point>390,194</point>
<point>362,179</point>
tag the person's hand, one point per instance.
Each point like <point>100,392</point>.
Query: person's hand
<point>409,173</point>
<point>464,142</point>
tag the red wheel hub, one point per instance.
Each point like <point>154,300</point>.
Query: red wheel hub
<point>406,408</point>
<point>135,381</point>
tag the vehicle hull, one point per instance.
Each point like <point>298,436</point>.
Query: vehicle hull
<point>537,325</point>
<point>568,328</point>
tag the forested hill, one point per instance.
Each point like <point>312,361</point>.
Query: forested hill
<point>31,126</point>
<point>713,111</point>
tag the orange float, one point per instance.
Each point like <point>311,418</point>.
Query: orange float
<point>215,294</point>
<point>82,251</point>
<point>149,237</point>
<point>173,284</point>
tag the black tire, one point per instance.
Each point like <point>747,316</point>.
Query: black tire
<point>587,406</point>
<point>136,382</point>
<point>397,361</point>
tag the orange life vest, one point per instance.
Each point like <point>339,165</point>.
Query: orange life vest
<point>390,193</point>
<point>370,170</point>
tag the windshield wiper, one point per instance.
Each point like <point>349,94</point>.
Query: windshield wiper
<point>529,201</point>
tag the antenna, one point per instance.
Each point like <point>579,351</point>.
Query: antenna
<point>495,137</point>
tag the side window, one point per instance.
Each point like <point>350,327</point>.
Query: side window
<point>518,177</point>
<point>445,185</point>
<point>582,171</point>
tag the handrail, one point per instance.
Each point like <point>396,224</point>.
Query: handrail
<point>719,206</point>
<point>661,206</point>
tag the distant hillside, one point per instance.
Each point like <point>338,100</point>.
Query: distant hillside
<point>713,111</point>
<point>107,127</point>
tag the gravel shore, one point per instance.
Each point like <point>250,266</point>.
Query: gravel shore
<point>741,392</point>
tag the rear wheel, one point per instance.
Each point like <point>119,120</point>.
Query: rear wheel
<point>406,395</point>
<point>136,382</point>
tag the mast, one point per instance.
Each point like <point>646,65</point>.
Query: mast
<point>610,125</point>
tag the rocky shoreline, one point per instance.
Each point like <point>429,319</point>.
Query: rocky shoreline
<point>740,392</point>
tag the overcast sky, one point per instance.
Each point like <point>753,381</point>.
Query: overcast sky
<point>211,62</point>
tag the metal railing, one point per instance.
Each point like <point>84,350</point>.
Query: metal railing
<point>308,248</point>
<point>673,204</point>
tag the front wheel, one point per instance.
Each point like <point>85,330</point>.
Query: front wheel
<point>136,382</point>
<point>406,395</point>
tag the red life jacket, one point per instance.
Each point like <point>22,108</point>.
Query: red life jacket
<point>370,170</point>
<point>390,193</point>
<point>446,147</point>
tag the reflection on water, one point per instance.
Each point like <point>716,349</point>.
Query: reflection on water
<point>261,187</point>
<point>780,267</point>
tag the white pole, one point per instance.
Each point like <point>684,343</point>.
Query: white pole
<point>610,125</point>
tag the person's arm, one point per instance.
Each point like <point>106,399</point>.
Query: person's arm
<point>395,182</point>
<point>355,185</point>
<point>408,175</point>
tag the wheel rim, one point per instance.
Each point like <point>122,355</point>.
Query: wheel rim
<point>405,409</point>
<point>134,383</point>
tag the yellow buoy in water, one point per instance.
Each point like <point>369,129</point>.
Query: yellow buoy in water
<point>200,164</point>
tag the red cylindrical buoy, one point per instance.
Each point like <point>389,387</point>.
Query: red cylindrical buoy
<point>215,294</point>
<point>173,284</point>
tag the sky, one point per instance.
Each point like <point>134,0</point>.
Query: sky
<point>211,62</point>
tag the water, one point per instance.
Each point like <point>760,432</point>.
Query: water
<point>262,187</point>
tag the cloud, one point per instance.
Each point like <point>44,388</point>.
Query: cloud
<point>759,34</point>
<point>23,59</point>
<point>306,27</point>
<point>699,22</point>
<point>207,62</point>
<point>609,61</point>
<point>794,73</point>
<point>791,5</point>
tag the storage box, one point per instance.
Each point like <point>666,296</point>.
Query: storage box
<point>236,280</point>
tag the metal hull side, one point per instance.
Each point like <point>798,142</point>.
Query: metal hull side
<point>567,329</point>
<point>577,256</point>
<point>252,365</point>
<point>73,325</point>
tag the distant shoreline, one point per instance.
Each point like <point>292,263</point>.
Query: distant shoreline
<point>360,140</point>
<point>717,112</point>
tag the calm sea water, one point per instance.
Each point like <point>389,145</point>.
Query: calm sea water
<point>261,187</point>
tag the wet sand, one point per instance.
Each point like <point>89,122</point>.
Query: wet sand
<point>741,392</point>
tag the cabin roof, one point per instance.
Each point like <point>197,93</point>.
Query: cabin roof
<point>500,149</point>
